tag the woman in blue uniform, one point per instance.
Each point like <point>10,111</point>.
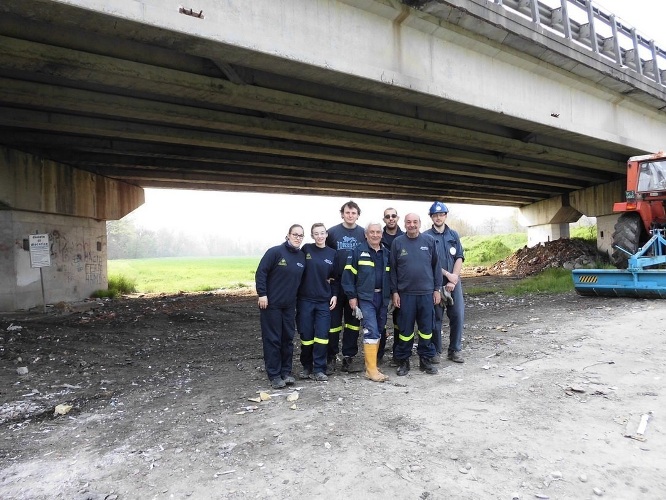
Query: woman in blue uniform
<point>317,296</point>
<point>277,280</point>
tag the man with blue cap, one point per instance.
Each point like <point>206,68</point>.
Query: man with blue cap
<point>451,257</point>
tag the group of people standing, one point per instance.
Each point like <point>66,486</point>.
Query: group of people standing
<point>347,282</point>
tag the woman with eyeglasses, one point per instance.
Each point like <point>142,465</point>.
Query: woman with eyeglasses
<point>277,280</point>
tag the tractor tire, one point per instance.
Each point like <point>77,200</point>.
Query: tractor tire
<point>629,234</point>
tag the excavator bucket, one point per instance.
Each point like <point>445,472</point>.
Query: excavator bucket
<point>635,281</point>
<point>646,283</point>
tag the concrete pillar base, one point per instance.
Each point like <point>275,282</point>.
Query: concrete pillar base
<point>605,228</point>
<point>546,232</point>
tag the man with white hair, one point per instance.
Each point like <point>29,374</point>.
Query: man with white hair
<point>365,281</point>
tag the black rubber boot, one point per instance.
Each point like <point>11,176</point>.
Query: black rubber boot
<point>331,365</point>
<point>349,366</point>
<point>425,365</point>
<point>403,368</point>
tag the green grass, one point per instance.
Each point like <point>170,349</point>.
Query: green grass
<point>487,250</point>
<point>551,280</point>
<point>187,274</point>
<point>173,275</point>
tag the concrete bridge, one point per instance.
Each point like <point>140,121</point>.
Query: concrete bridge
<point>517,103</point>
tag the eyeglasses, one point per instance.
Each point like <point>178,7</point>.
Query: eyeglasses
<point>391,216</point>
<point>299,236</point>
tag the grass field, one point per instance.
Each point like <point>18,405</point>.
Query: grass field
<point>191,274</point>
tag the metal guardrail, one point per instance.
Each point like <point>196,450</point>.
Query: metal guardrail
<point>601,32</point>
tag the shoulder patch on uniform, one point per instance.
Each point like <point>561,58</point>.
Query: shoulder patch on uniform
<point>365,254</point>
<point>282,262</point>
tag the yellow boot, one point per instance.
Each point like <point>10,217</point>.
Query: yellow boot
<point>371,371</point>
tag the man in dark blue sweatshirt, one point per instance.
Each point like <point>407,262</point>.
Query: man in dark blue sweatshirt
<point>416,279</point>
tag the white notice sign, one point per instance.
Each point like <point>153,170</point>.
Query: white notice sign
<point>40,250</point>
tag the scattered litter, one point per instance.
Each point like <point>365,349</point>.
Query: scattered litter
<point>600,363</point>
<point>14,328</point>
<point>582,478</point>
<point>264,396</point>
<point>293,407</point>
<point>62,409</point>
<point>598,492</point>
<point>639,435</point>
<point>519,368</point>
<point>217,474</point>
<point>247,409</point>
<point>22,370</point>
<point>254,400</point>
<point>327,445</point>
<point>292,397</point>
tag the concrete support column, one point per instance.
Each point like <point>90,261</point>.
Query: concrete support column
<point>70,206</point>
<point>546,232</point>
<point>548,220</point>
<point>605,228</point>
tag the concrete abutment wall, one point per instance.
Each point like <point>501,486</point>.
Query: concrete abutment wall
<point>71,207</point>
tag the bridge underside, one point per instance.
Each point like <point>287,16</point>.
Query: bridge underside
<point>164,108</point>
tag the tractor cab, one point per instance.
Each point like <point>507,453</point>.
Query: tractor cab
<point>652,178</point>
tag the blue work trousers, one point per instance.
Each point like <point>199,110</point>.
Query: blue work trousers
<point>349,332</point>
<point>313,319</point>
<point>456,315</point>
<point>374,318</point>
<point>278,327</point>
<point>417,309</point>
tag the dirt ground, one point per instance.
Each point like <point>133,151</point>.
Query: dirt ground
<point>160,391</point>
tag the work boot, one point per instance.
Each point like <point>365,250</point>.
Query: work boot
<point>349,366</point>
<point>456,357</point>
<point>425,365</point>
<point>436,359</point>
<point>403,367</point>
<point>319,377</point>
<point>331,365</point>
<point>277,383</point>
<point>304,373</point>
<point>371,371</point>
<point>288,379</point>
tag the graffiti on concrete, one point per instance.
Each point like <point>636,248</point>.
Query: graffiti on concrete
<point>76,260</point>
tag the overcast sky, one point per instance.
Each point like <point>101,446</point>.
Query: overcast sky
<point>271,215</point>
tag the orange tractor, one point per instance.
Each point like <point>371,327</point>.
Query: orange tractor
<point>639,246</point>
<point>644,209</point>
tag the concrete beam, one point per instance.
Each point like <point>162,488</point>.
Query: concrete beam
<point>34,185</point>
<point>96,70</point>
<point>597,201</point>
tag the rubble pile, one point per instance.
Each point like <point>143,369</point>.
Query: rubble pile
<point>566,253</point>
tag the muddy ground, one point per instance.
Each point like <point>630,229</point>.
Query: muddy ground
<point>547,405</point>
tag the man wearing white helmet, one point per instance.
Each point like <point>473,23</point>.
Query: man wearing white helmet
<point>451,257</point>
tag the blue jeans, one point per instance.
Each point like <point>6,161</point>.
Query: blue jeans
<point>374,318</point>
